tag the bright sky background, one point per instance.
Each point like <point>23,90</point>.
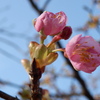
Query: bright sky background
<point>16,17</point>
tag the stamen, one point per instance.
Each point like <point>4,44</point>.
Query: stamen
<point>98,55</point>
<point>94,64</point>
<point>85,42</point>
<point>85,56</point>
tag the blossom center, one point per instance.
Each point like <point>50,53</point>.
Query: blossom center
<point>57,16</point>
<point>86,54</point>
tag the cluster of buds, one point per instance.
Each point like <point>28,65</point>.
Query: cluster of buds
<point>47,24</point>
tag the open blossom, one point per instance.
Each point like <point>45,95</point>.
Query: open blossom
<point>50,23</point>
<point>84,53</point>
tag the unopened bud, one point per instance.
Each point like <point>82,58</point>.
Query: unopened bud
<point>51,58</point>
<point>32,47</point>
<point>66,33</point>
<point>41,52</point>
<point>26,64</point>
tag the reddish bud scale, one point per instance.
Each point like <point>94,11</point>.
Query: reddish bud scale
<point>66,33</point>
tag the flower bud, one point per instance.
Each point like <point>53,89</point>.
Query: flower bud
<point>51,58</point>
<point>41,52</point>
<point>32,47</point>
<point>26,64</point>
<point>49,23</point>
<point>65,34</point>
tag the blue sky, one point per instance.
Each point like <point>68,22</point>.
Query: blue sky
<point>16,17</point>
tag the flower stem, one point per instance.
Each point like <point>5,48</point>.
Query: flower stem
<point>60,49</point>
<point>42,38</point>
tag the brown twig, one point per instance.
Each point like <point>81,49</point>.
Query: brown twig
<point>13,34</point>
<point>45,5</point>
<point>2,82</point>
<point>9,55</point>
<point>35,74</point>
<point>12,44</point>
<point>35,6</point>
<point>64,95</point>
<point>7,97</point>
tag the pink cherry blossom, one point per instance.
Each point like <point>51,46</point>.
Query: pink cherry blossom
<point>84,53</point>
<point>50,23</point>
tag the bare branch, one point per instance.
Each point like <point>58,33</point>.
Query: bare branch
<point>35,6</point>
<point>7,33</point>
<point>35,74</point>
<point>14,45</point>
<point>7,97</point>
<point>65,95</point>
<point>46,3</point>
<point>2,82</point>
<point>9,55</point>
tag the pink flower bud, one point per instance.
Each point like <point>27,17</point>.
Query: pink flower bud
<point>65,34</point>
<point>49,23</point>
<point>84,53</point>
<point>26,64</point>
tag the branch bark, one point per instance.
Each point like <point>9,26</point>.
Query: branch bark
<point>7,97</point>
<point>35,6</point>
<point>35,74</point>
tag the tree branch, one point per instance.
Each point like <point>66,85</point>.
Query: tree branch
<point>46,3</point>
<point>10,43</point>
<point>35,7</point>
<point>2,82</point>
<point>7,97</point>
<point>9,55</point>
<point>11,34</point>
<point>65,95</point>
<point>35,74</point>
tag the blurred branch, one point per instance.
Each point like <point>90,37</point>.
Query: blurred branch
<point>14,45</point>
<point>2,82</point>
<point>7,97</point>
<point>65,95</point>
<point>35,6</point>
<point>46,3</point>
<point>9,55</point>
<point>88,9</point>
<point>7,33</point>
